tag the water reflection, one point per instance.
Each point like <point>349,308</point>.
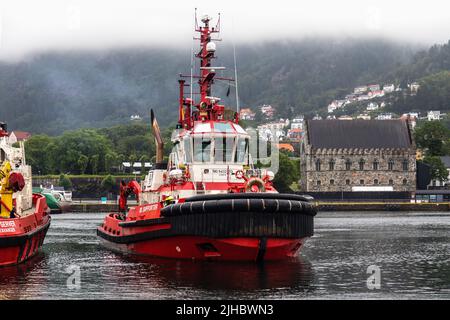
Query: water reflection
<point>293,273</point>
<point>15,279</point>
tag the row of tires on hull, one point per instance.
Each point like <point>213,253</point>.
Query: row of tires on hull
<point>243,215</point>
<point>272,203</point>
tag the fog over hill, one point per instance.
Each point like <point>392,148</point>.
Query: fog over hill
<point>59,90</point>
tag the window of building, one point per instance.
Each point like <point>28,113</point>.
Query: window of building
<point>331,165</point>
<point>318,165</point>
<point>405,165</point>
<point>361,181</point>
<point>375,165</point>
<point>361,164</point>
<point>348,164</point>
<point>319,182</point>
<point>347,182</point>
<point>375,181</point>
<point>391,182</point>
<point>391,164</point>
<point>405,181</point>
<point>332,182</point>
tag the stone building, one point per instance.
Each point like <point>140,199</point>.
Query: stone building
<point>358,155</point>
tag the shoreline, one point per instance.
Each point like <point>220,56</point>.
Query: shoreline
<point>323,206</point>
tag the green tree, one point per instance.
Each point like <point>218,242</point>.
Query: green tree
<point>82,162</point>
<point>108,183</point>
<point>288,172</point>
<point>95,163</point>
<point>430,136</point>
<point>38,158</point>
<point>65,182</point>
<point>438,169</point>
<point>111,159</point>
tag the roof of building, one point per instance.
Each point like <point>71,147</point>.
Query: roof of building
<point>21,135</point>
<point>358,134</point>
<point>286,146</point>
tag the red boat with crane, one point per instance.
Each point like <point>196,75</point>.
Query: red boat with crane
<point>208,201</point>
<point>24,216</point>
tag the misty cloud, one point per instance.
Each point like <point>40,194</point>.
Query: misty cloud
<point>30,26</point>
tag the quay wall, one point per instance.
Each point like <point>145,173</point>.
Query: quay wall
<point>323,206</point>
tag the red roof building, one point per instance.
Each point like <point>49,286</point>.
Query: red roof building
<point>17,136</point>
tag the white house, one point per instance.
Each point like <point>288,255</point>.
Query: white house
<point>384,116</point>
<point>17,136</point>
<point>372,106</point>
<point>414,87</point>
<point>267,110</point>
<point>434,115</point>
<point>388,88</point>
<point>360,90</point>
<point>363,116</point>
<point>373,87</point>
<point>297,123</point>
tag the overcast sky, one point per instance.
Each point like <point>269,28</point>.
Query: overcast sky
<point>36,25</point>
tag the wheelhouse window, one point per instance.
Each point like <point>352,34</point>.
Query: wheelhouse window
<point>187,150</point>
<point>222,127</point>
<point>241,150</point>
<point>223,149</point>
<point>202,149</point>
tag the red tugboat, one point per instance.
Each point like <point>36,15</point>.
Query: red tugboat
<point>208,201</point>
<point>24,218</point>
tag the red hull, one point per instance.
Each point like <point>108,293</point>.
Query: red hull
<point>21,238</point>
<point>229,249</point>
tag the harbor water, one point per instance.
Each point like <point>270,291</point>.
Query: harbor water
<point>404,256</point>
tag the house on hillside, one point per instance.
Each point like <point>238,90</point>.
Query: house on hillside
<point>373,87</point>
<point>297,123</point>
<point>267,110</point>
<point>384,116</point>
<point>360,90</point>
<point>18,136</point>
<point>434,115</point>
<point>388,88</point>
<point>247,114</point>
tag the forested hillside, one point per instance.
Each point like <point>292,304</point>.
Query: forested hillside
<point>431,69</point>
<point>53,92</point>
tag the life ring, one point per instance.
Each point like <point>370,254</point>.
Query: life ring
<point>239,174</point>
<point>255,185</point>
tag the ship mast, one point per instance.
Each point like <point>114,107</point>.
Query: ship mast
<point>208,107</point>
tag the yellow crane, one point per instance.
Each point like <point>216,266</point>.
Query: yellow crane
<point>6,192</point>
